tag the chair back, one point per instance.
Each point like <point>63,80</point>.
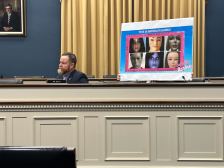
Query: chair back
<point>37,157</point>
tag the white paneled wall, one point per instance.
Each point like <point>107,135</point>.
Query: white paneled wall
<point>110,128</point>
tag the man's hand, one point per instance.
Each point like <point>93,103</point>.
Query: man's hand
<point>7,29</point>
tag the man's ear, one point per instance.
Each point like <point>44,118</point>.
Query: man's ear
<point>72,65</point>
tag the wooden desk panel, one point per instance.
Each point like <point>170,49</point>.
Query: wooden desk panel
<point>119,124</point>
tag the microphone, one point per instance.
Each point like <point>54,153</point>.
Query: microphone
<point>183,77</point>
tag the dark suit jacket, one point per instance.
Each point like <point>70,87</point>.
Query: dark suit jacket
<point>14,22</point>
<point>76,77</point>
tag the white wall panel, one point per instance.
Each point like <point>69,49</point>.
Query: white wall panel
<point>127,138</point>
<point>3,133</point>
<point>200,138</point>
<point>56,131</point>
<point>91,138</point>
<point>163,138</point>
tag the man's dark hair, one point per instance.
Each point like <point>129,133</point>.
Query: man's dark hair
<point>8,5</point>
<point>133,54</point>
<point>72,57</point>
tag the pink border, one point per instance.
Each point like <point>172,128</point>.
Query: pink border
<point>152,35</point>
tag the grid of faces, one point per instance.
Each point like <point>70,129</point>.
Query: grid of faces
<point>158,52</point>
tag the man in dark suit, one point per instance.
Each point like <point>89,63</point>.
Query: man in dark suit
<point>10,20</point>
<point>67,70</point>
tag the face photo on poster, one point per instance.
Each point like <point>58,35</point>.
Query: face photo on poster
<point>158,53</point>
<point>12,18</point>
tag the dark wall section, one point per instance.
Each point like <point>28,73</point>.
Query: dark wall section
<point>38,53</point>
<point>214,38</point>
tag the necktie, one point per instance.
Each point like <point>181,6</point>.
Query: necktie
<point>8,19</point>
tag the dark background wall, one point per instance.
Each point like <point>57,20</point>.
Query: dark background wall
<point>215,38</point>
<point>38,53</point>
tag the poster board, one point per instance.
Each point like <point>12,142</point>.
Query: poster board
<point>157,50</point>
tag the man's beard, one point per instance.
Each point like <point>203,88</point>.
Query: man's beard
<point>63,71</point>
<point>60,71</point>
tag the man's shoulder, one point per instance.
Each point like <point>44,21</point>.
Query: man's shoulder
<point>78,77</point>
<point>76,72</point>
